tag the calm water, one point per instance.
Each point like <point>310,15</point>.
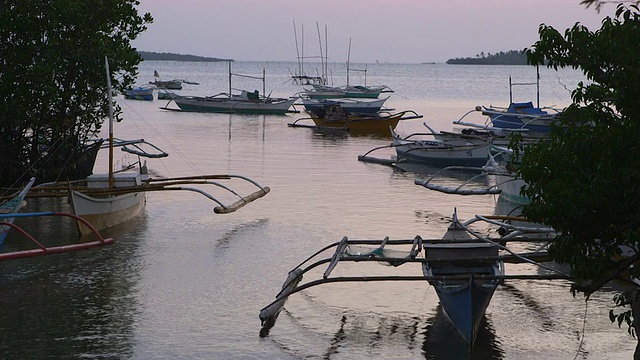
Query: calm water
<point>184,283</point>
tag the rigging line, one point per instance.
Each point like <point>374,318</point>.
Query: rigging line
<point>523,258</point>
<point>54,148</point>
<point>170,144</point>
<point>584,326</point>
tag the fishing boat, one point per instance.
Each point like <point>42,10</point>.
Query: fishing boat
<point>143,92</point>
<point>175,84</point>
<point>523,115</point>
<point>336,117</point>
<point>12,206</point>
<point>167,84</point>
<point>244,102</point>
<point>456,151</point>
<point>318,107</point>
<point>106,200</point>
<point>319,91</point>
<point>111,208</point>
<point>435,149</point>
<point>465,266</point>
<point>473,279</point>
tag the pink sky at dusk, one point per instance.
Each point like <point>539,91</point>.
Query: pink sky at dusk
<point>402,31</point>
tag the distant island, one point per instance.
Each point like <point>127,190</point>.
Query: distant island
<point>512,57</point>
<point>147,55</point>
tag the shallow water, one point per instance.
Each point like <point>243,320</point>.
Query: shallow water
<point>183,282</point>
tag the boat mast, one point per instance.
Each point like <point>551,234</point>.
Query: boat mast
<point>348,61</point>
<point>322,62</point>
<point>295,35</point>
<point>510,92</point>
<point>111,179</point>
<point>538,85</point>
<point>229,79</point>
<point>326,56</point>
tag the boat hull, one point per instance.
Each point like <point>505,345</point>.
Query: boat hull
<point>319,107</point>
<point>442,156</point>
<point>465,303</point>
<point>106,212</point>
<point>360,124</point>
<point>231,106</point>
<point>139,93</point>
<point>522,116</point>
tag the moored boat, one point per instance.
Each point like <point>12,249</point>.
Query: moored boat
<point>336,117</point>
<point>319,106</point>
<point>458,151</point>
<point>243,103</point>
<point>466,294</point>
<point>464,266</point>
<point>139,93</point>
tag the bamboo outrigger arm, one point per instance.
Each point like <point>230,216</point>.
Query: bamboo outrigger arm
<point>344,251</point>
<point>48,250</point>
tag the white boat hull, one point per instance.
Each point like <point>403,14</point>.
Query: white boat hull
<point>510,188</point>
<point>105,212</point>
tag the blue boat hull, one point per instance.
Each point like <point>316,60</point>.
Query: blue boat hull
<point>465,304</point>
<point>522,116</point>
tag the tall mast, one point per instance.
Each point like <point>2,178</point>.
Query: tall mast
<point>348,61</point>
<point>322,66</point>
<point>111,178</point>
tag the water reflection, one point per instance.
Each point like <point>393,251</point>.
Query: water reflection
<point>442,341</point>
<point>74,304</point>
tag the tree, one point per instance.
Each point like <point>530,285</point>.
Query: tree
<point>52,75</point>
<point>585,180</point>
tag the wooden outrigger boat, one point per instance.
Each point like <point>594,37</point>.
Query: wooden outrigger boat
<point>106,200</point>
<point>434,149</point>
<point>464,266</point>
<point>463,300</point>
<point>229,103</point>
<point>336,117</point>
<point>320,106</point>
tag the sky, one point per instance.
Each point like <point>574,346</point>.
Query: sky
<point>392,31</point>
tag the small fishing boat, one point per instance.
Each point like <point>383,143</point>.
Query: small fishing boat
<point>465,295</point>
<point>319,91</point>
<point>319,106</point>
<point>143,92</point>
<point>465,266</point>
<point>435,149</point>
<point>175,84</point>
<point>232,103</point>
<point>522,115</point>
<point>227,103</point>
<point>456,151</point>
<point>336,117</point>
